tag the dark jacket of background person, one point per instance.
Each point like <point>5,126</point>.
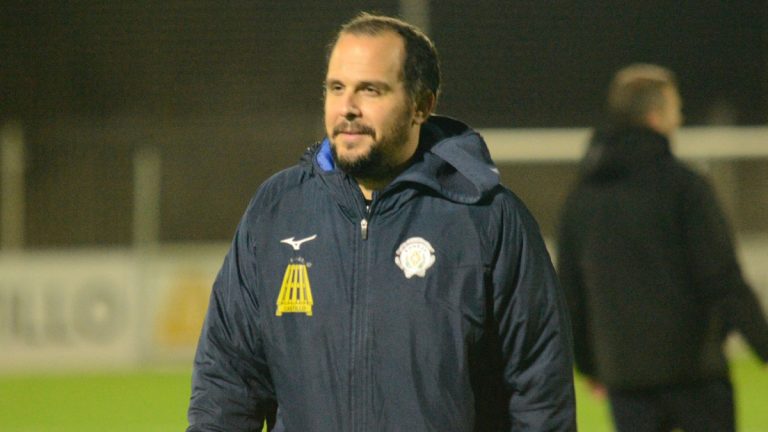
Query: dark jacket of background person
<point>649,269</point>
<point>479,342</point>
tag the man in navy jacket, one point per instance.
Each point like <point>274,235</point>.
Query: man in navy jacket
<point>649,268</point>
<point>388,282</point>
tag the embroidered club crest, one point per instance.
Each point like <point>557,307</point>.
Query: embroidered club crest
<point>414,257</point>
<point>295,292</point>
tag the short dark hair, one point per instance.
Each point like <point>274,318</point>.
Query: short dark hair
<point>421,68</point>
<point>636,90</point>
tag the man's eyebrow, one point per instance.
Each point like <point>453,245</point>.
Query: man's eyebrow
<point>378,84</point>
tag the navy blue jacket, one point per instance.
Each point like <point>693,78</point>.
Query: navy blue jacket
<point>649,268</point>
<point>436,309</point>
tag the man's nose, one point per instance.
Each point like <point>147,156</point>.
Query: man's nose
<point>351,110</point>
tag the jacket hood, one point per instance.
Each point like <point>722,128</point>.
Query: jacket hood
<point>615,154</point>
<point>452,160</point>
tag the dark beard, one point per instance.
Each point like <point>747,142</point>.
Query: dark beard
<point>371,166</point>
<point>377,165</point>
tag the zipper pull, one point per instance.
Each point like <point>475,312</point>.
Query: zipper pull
<point>364,228</point>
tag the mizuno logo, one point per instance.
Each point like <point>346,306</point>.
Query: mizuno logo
<point>296,244</point>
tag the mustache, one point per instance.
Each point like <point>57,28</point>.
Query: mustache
<point>352,127</point>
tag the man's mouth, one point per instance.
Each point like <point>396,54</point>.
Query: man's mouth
<point>352,130</point>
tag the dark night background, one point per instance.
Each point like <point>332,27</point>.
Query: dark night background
<point>230,92</point>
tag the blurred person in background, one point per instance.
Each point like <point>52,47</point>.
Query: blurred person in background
<point>388,282</point>
<point>648,266</point>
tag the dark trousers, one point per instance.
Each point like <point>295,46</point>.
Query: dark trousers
<point>699,407</point>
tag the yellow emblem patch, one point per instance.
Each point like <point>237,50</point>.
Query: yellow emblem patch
<point>295,292</point>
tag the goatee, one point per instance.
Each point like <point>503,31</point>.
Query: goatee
<point>372,165</point>
<point>380,162</point>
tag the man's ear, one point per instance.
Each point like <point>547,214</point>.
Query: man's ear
<point>424,109</point>
<point>654,120</point>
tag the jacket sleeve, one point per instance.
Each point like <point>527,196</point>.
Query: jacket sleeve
<point>231,386</point>
<point>569,272</point>
<point>534,330</point>
<point>715,268</point>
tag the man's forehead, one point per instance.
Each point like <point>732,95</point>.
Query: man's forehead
<point>382,50</point>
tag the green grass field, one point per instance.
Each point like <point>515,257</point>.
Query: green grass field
<point>156,402</point>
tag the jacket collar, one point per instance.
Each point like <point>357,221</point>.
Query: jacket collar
<point>452,160</point>
<point>617,153</point>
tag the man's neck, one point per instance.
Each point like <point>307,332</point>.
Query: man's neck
<point>368,186</point>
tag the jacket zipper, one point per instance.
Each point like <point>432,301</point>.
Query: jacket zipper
<point>364,228</point>
<point>359,380</point>
<point>359,421</point>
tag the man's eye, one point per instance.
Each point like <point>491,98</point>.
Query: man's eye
<point>334,88</point>
<point>370,90</point>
